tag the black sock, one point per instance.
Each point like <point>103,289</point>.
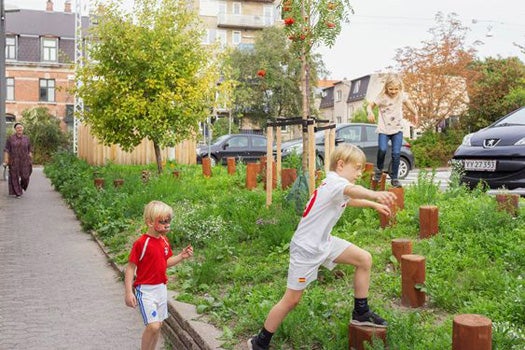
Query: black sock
<point>263,338</point>
<point>361,305</point>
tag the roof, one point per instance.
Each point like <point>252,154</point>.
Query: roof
<point>39,23</point>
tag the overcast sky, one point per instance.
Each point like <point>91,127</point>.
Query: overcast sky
<point>379,27</point>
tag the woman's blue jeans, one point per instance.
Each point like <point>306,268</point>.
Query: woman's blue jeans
<point>397,141</point>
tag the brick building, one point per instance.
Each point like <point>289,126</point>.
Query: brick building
<point>40,47</point>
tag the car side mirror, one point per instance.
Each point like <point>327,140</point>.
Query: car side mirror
<point>226,145</point>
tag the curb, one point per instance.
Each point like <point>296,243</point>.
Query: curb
<point>184,328</point>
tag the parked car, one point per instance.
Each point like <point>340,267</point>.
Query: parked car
<point>243,147</point>
<point>362,135</point>
<point>495,155</point>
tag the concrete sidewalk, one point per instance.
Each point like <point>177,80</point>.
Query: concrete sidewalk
<point>58,290</point>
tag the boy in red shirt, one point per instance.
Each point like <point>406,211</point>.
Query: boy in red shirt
<point>149,258</point>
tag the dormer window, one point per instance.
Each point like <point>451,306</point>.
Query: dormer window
<point>357,86</point>
<point>49,50</point>
<point>10,48</point>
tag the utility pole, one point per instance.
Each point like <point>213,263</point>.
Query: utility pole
<point>3,128</point>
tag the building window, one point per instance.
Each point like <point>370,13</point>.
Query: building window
<point>47,90</point>
<point>338,96</point>
<point>10,48</point>
<point>236,10</point>
<point>357,86</point>
<point>269,15</point>
<point>236,37</point>
<point>70,117</point>
<point>10,89</point>
<point>49,49</point>
<point>339,119</point>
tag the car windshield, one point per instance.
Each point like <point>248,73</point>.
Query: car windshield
<point>516,118</point>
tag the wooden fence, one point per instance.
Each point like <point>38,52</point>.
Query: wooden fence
<point>95,153</point>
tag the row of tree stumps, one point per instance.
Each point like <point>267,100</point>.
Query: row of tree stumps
<point>469,331</point>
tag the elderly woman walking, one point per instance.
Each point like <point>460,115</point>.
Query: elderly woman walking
<point>19,157</point>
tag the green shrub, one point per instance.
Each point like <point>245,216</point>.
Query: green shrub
<point>432,150</point>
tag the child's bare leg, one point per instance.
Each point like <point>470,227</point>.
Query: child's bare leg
<point>362,260</point>
<point>278,313</point>
<point>151,336</point>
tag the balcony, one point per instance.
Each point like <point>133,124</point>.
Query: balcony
<point>244,21</point>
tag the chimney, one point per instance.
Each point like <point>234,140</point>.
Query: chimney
<point>49,5</point>
<point>67,6</point>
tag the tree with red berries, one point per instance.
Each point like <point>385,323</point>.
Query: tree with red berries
<point>308,24</point>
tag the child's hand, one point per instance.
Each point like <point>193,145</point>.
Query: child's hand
<point>187,252</point>
<point>371,118</point>
<point>383,209</point>
<point>131,300</point>
<point>385,197</point>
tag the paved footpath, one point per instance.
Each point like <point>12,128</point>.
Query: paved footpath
<point>57,289</point>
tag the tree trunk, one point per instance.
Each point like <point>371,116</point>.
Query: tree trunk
<point>158,157</point>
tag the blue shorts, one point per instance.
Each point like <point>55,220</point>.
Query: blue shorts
<point>153,302</point>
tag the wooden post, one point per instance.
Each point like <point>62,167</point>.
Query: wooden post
<point>368,173</point>
<point>118,183</point>
<point>176,174</point>
<point>401,246</point>
<point>269,165</point>
<point>471,332</point>
<point>359,335</point>
<point>388,220</point>
<point>378,185</point>
<point>288,177</point>
<point>231,165</point>
<point>206,167</point>
<point>508,202</point>
<point>412,273</point>
<point>99,183</point>
<point>428,221</point>
<point>274,177</point>
<point>278,160</point>
<point>327,149</point>
<point>252,169</point>
<point>311,158</point>
<point>400,196</point>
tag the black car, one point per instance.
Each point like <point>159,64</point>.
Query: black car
<point>243,147</point>
<point>362,135</point>
<point>495,155</point>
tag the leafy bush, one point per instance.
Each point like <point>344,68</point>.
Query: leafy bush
<point>434,150</point>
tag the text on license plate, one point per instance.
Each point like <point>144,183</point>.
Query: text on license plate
<point>479,165</point>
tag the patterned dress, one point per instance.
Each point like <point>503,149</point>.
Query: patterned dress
<point>20,164</point>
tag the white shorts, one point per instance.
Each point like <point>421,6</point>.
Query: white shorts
<point>153,302</point>
<point>304,265</point>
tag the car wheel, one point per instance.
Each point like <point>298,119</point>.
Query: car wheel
<point>404,168</point>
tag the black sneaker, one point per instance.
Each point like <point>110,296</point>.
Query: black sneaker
<point>252,345</point>
<point>369,318</point>
<point>396,183</point>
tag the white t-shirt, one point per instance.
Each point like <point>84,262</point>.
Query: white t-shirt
<point>325,207</point>
<point>390,119</point>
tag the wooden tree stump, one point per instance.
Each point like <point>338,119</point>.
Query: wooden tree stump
<point>118,183</point>
<point>368,173</point>
<point>508,202</point>
<point>412,274</point>
<point>288,177</point>
<point>176,173</point>
<point>401,246</point>
<point>231,165</point>
<point>252,170</point>
<point>206,167</point>
<point>471,332</point>
<point>388,220</point>
<point>99,183</point>
<point>359,335</point>
<point>428,221</point>
<point>400,196</point>
<point>379,185</point>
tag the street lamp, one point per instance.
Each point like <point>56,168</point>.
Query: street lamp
<point>3,131</point>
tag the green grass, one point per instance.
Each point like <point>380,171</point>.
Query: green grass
<point>476,264</point>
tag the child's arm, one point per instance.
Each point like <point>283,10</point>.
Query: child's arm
<point>186,253</point>
<point>370,112</point>
<point>365,203</point>
<point>357,192</point>
<point>129,274</point>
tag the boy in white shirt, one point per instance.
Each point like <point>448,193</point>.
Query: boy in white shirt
<point>313,245</point>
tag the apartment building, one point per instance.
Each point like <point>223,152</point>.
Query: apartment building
<point>236,22</point>
<point>40,48</point>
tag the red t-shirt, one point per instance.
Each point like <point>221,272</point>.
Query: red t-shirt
<point>150,254</point>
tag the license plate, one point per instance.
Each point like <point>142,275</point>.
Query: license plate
<point>479,165</point>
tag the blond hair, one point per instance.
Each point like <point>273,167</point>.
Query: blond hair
<point>157,209</point>
<point>348,153</point>
<point>392,79</point>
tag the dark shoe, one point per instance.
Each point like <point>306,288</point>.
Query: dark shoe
<point>396,183</point>
<point>369,318</point>
<point>252,345</point>
<point>377,175</point>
